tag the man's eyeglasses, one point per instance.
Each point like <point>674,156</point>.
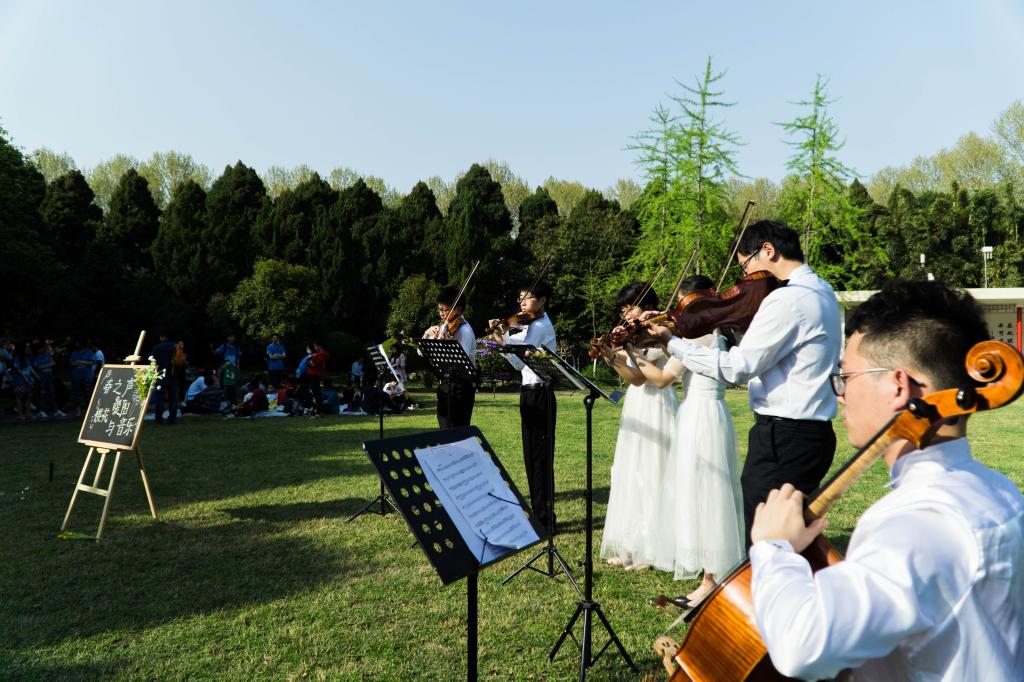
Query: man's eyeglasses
<point>743,265</point>
<point>838,379</point>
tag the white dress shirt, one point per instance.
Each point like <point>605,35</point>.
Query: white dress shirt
<point>540,333</point>
<point>197,387</point>
<point>786,354</point>
<point>932,587</point>
<point>467,339</point>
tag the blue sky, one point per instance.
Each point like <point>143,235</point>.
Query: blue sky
<point>406,90</point>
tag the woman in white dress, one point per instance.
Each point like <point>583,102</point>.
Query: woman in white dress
<point>642,446</point>
<point>701,515</point>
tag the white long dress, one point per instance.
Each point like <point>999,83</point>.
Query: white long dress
<point>641,450</point>
<point>701,513</point>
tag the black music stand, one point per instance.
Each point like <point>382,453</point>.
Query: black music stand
<point>587,606</point>
<point>384,368</point>
<point>434,529</point>
<point>449,361</point>
<point>538,359</point>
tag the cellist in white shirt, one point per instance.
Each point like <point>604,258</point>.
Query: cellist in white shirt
<point>932,587</point>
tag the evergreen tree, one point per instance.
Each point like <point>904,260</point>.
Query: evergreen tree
<point>179,256</point>
<point>822,176</point>
<point>284,228</point>
<point>28,265</point>
<point>588,251</point>
<point>335,256</point>
<point>423,231</point>
<point>705,153</point>
<point>70,216</point>
<point>132,221</point>
<point>478,227</point>
<point>232,206</point>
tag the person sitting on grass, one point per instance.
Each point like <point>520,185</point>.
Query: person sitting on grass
<point>255,401</point>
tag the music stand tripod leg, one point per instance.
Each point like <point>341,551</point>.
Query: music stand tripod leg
<point>587,606</point>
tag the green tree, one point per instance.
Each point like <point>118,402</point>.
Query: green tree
<point>52,164</point>
<point>513,187</point>
<point>443,191</point>
<point>334,255</point>
<point>823,176</point>
<point>705,153</point>
<point>179,254</point>
<point>588,250</point>
<point>278,179</point>
<point>70,216</point>
<point>566,193</point>
<point>166,170</point>
<point>28,265</point>
<point>233,204</point>
<point>413,310</point>
<point>104,177</point>
<point>132,220</point>
<point>284,227</point>
<point>275,300</point>
<point>625,191</point>
<point>478,227</point>
<point>422,239</point>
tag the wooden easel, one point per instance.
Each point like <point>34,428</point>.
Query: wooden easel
<point>104,450</point>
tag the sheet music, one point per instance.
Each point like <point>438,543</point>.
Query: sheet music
<point>485,512</point>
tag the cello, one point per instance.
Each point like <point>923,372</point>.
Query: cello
<point>726,615</point>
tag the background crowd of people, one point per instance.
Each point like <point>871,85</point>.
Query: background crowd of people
<point>42,379</point>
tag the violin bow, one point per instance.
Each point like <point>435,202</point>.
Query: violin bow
<point>682,276</point>
<point>543,269</point>
<point>636,301</point>
<point>736,243</point>
<point>465,284</point>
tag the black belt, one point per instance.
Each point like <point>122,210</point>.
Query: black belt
<point>768,418</point>
<point>533,387</point>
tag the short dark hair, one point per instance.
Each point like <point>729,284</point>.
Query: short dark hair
<point>630,295</point>
<point>695,283</point>
<point>447,296</point>
<point>539,289</point>
<point>924,325</point>
<point>783,237</point>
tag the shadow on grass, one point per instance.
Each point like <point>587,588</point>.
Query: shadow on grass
<point>36,670</point>
<point>306,511</point>
<point>145,574</point>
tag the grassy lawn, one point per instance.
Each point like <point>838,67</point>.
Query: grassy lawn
<point>252,573</point>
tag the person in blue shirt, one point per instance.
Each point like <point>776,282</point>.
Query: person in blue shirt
<point>275,359</point>
<point>43,363</point>
<point>230,352</point>
<point>81,361</point>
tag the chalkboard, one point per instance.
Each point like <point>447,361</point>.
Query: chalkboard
<point>115,411</point>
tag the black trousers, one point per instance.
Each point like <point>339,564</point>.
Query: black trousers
<point>779,451</point>
<point>537,409</point>
<point>461,395</point>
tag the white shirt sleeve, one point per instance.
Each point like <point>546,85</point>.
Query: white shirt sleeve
<point>773,333</point>
<point>860,609</point>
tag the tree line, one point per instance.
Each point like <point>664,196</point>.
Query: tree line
<point>349,260</point>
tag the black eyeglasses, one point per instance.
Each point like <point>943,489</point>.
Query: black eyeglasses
<point>743,265</point>
<point>838,379</point>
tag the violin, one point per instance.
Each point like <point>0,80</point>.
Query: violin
<point>521,319</point>
<point>518,320</point>
<point>615,341</point>
<point>726,616</point>
<point>701,312</point>
<point>453,320</point>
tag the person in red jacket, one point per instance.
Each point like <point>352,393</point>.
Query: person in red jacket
<point>316,368</point>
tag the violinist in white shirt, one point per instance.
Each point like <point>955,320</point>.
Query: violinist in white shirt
<point>785,358</point>
<point>932,587</point>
